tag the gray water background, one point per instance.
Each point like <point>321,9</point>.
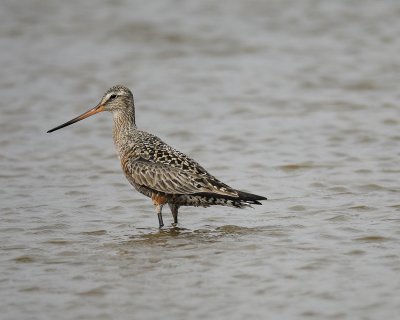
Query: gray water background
<point>294,100</point>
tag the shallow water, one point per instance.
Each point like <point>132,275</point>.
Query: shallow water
<point>297,101</point>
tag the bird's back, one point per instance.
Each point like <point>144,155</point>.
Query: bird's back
<point>149,162</point>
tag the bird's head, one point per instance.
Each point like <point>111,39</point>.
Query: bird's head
<point>118,99</point>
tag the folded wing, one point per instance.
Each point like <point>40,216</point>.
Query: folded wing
<point>168,179</point>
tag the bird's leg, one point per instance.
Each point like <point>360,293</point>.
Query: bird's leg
<point>159,200</point>
<point>174,210</point>
<point>159,215</point>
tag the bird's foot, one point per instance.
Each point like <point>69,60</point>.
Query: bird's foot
<point>160,220</point>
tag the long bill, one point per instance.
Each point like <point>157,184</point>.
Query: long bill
<point>97,109</point>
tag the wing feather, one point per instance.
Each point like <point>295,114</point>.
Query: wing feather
<point>172,180</point>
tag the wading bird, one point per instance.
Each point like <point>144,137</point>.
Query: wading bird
<point>160,172</point>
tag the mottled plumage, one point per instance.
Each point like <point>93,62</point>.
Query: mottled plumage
<point>157,170</point>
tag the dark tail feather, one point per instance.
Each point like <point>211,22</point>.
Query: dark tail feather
<point>250,198</point>
<point>243,200</point>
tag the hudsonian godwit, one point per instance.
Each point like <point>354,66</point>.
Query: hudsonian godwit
<point>157,170</point>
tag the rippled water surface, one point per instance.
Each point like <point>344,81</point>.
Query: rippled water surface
<point>294,100</point>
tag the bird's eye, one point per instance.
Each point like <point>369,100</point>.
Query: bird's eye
<point>112,97</point>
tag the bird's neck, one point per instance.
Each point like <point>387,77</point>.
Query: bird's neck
<point>124,126</point>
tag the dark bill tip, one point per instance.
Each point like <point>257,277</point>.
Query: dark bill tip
<point>64,125</point>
